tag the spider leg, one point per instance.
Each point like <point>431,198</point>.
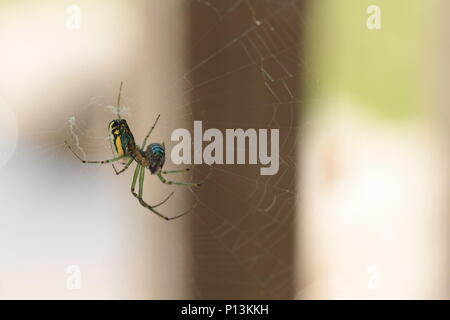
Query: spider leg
<point>146,205</point>
<point>133,185</point>
<point>89,161</point>
<point>163,180</point>
<point>148,134</point>
<point>175,171</point>
<point>124,168</point>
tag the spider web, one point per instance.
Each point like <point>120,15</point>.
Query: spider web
<point>245,69</point>
<point>245,74</point>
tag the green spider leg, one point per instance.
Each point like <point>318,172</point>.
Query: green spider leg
<point>133,186</point>
<point>163,180</point>
<point>140,170</point>
<point>175,171</point>
<point>124,168</point>
<point>91,161</point>
<point>149,133</point>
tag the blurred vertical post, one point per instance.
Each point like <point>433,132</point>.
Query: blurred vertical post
<point>243,246</point>
<point>374,154</point>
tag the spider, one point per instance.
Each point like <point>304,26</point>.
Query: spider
<point>153,158</point>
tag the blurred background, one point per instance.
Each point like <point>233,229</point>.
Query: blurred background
<point>358,210</point>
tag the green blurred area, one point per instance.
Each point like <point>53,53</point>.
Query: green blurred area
<point>384,71</point>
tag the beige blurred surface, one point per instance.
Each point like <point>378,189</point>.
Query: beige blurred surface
<point>374,208</point>
<point>57,212</point>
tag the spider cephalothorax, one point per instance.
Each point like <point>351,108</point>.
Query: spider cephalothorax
<point>157,155</point>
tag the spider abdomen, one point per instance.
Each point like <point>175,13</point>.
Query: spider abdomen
<point>155,153</point>
<point>121,137</point>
